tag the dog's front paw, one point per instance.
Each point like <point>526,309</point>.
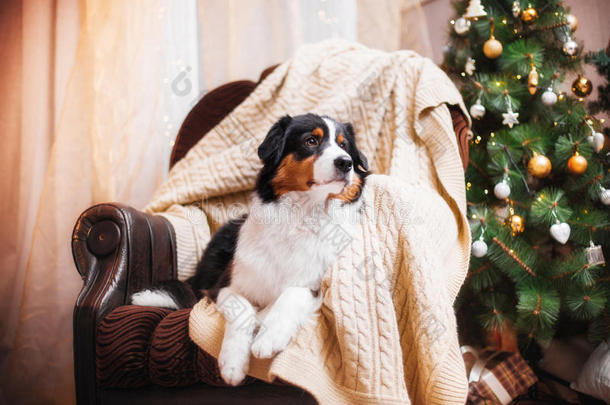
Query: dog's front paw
<point>270,341</point>
<point>233,365</point>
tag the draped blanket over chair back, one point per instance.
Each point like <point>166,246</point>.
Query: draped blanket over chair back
<point>386,332</point>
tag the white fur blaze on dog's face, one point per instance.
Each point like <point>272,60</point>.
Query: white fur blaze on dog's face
<point>333,169</point>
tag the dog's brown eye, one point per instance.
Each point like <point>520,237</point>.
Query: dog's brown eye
<point>311,141</point>
<point>343,145</point>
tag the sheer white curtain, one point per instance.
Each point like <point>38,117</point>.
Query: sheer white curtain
<point>94,92</point>
<point>91,115</point>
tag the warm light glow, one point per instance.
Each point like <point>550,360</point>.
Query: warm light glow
<point>486,191</point>
<point>518,77</point>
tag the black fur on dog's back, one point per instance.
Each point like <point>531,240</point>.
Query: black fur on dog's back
<point>213,271</point>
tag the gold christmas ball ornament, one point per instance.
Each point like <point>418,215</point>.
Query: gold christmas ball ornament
<point>492,48</point>
<point>582,87</point>
<point>572,21</point>
<point>577,164</point>
<point>516,223</point>
<point>532,81</point>
<point>539,166</point>
<point>529,15</point>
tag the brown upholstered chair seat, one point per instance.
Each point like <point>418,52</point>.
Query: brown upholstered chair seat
<point>139,346</point>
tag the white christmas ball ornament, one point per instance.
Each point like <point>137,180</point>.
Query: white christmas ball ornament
<point>570,47</point>
<point>549,98</point>
<point>477,110</point>
<point>604,196</point>
<point>502,190</point>
<point>479,248</point>
<point>596,139</point>
<point>461,26</point>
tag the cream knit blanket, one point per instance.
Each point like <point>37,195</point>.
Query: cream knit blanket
<point>387,331</point>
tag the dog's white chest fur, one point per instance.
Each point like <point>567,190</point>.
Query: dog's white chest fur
<point>289,244</point>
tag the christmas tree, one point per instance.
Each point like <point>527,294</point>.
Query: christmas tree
<point>601,60</point>
<point>537,178</point>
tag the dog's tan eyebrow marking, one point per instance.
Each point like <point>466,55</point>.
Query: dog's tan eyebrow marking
<point>340,138</point>
<point>318,132</point>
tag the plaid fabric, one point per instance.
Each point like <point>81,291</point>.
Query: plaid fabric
<point>506,369</point>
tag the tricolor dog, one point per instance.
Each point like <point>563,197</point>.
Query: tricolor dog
<point>269,263</point>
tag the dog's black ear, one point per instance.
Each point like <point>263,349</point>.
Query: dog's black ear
<point>361,163</point>
<point>270,151</point>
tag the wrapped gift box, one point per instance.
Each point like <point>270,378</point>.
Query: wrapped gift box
<point>496,377</point>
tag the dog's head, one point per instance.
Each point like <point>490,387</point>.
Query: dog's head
<point>311,154</point>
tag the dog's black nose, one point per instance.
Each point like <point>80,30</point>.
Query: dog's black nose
<point>343,163</point>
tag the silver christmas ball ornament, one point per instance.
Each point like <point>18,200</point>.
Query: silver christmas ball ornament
<point>477,110</point>
<point>604,196</point>
<point>549,98</point>
<point>461,26</point>
<point>479,248</point>
<point>570,47</point>
<point>502,190</point>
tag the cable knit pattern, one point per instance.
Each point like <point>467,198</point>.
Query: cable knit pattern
<point>386,333</point>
